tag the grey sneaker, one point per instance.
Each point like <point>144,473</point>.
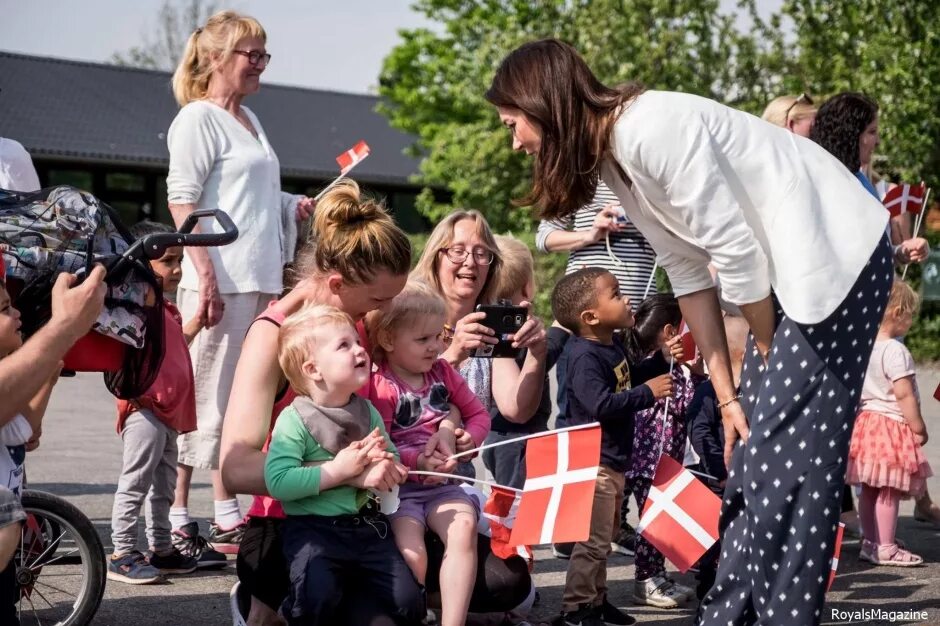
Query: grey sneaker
<point>658,592</point>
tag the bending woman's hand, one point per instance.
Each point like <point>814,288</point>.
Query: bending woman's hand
<point>211,306</point>
<point>735,425</point>
<point>305,208</point>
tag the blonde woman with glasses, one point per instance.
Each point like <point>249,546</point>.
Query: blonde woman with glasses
<point>220,157</point>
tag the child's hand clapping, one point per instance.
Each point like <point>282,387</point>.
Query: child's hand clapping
<point>354,458</point>
<point>661,386</point>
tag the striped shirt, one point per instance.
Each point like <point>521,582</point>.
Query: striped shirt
<point>635,255</point>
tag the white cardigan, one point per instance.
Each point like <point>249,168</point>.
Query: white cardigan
<point>216,163</point>
<point>770,209</point>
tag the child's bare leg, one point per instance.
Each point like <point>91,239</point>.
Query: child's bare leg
<point>409,537</point>
<point>261,614</point>
<point>184,478</point>
<point>456,524</point>
<point>9,540</point>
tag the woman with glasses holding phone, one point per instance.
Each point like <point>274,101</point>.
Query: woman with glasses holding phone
<point>221,158</point>
<point>795,113</point>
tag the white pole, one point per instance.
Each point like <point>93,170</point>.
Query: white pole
<point>456,477</point>
<point>917,222</point>
<point>337,179</point>
<point>649,283</point>
<point>523,438</point>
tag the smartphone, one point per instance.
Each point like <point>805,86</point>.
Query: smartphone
<point>505,320</point>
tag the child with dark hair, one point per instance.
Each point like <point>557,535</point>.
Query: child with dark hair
<point>660,430</point>
<point>604,388</point>
<point>149,426</point>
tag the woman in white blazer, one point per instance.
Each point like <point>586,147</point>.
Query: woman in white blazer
<point>800,248</point>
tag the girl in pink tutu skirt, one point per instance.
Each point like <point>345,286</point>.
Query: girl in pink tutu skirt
<point>885,456</point>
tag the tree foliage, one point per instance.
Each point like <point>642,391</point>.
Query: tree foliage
<point>433,81</point>
<point>162,46</point>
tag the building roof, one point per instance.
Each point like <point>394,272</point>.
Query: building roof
<point>93,112</point>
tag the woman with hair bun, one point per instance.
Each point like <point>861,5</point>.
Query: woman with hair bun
<point>221,158</point>
<point>357,259</point>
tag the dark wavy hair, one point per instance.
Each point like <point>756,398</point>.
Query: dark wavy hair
<point>840,123</point>
<point>649,319</point>
<point>550,82</point>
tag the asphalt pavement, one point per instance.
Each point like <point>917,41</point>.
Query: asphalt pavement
<point>80,460</point>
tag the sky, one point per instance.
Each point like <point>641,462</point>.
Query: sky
<point>321,44</point>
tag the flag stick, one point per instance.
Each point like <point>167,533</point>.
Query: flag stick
<point>662,439</point>
<point>523,438</point>
<point>917,222</point>
<point>649,283</point>
<point>702,474</point>
<point>456,477</point>
<point>337,179</point>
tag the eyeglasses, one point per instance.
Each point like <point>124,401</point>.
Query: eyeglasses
<point>254,56</point>
<point>481,256</point>
<point>803,98</point>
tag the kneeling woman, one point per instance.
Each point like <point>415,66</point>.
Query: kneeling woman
<point>358,261</point>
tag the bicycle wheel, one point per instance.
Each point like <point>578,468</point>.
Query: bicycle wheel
<point>60,565</point>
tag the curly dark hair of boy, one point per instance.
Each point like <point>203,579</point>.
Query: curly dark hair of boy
<point>650,317</point>
<point>839,124</point>
<point>574,294</point>
<point>146,227</point>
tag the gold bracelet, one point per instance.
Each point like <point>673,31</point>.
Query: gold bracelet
<point>728,402</point>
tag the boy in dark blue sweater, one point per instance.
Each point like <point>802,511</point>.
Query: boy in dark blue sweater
<point>600,387</point>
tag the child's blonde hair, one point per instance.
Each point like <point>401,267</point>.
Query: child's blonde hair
<point>297,339</point>
<point>903,299</point>
<point>518,267</point>
<point>416,300</point>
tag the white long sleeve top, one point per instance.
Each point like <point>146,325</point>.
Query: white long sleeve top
<point>215,162</point>
<point>770,209</point>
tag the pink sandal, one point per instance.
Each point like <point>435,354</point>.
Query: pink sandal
<point>868,550</point>
<point>894,555</point>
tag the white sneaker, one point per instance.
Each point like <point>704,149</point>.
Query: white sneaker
<point>658,592</point>
<point>687,592</point>
<point>237,619</point>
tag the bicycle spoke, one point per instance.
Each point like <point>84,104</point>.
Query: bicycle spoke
<point>33,607</point>
<point>54,588</point>
<point>51,606</point>
<point>35,566</point>
<point>52,545</point>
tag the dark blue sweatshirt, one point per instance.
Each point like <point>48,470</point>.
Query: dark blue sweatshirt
<point>602,387</point>
<point>706,432</point>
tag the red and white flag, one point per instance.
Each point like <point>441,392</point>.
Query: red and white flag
<point>680,517</point>
<point>905,198</point>
<point>558,496</point>
<point>835,556</point>
<point>352,157</point>
<point>500,511</point>
<point>689,349</point>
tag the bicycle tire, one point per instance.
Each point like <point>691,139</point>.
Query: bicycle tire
<point>62,514</point>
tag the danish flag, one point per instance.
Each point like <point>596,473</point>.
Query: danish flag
<point>680,517</point>
<point>904,198</point>
<point>689,349</point>
<point>835,556</point>
<point>558,495</point>
<point>500,511</point>
<point>352,157</point>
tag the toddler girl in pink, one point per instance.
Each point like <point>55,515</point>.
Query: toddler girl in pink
<point>419,396</point>
<point>885,456</point>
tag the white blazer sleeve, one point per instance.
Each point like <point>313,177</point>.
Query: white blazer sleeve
<point>680,155</point>
<point>16,432</point>
<point>193,151</point>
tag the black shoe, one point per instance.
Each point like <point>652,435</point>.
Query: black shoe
<point>625,542</point>
<point>612,615</point>
<point>562,550</point>
<point>173,563</point>
<point>587,615</point>
<point>187,540</point>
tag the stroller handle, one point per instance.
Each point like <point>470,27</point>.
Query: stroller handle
<point>153,246</point>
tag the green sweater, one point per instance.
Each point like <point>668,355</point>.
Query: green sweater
<point>298,487</point>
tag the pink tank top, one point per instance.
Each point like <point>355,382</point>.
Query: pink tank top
<point>266,506</point>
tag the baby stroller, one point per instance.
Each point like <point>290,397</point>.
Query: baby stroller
<point>43,234</point>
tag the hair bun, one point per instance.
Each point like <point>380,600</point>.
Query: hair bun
<point>343,207</point>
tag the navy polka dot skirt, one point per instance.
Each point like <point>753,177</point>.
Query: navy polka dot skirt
<point>784,492</point>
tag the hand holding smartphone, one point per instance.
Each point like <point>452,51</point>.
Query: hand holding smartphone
<point>505,320</point>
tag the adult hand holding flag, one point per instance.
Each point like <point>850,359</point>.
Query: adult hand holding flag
<point>347,161</point>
